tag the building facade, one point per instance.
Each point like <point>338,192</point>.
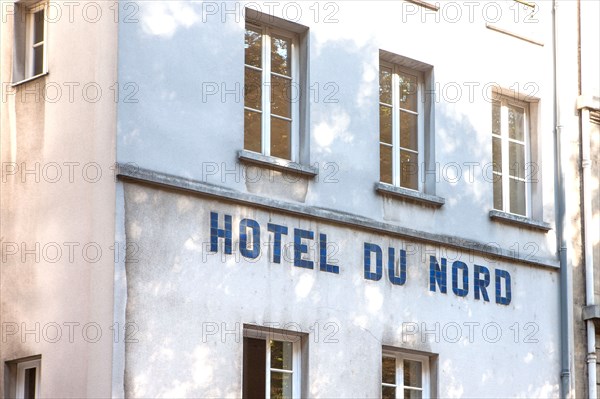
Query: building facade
<point>296,199</point>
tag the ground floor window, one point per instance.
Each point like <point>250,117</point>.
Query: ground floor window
<point>23,377</point>
<point>272,364</point>
<point>404,375</point>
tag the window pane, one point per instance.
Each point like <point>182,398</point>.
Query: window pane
<point>281,385</point>
<point>408,92</point>
<point>516,159</point>
<point>252,89</point>
<point>409,172</point>
<point>281,138</point>
<point>498,203</point>
<point>254,368</point>
<point>388,392</point>
<point>408,131</point>
<point>497,155</point>
<point>516,123</point>
<point>385,124</point>
<point>496,118</point>
<point>412,373</point>
<point>517,197</point>
<point>281,355</point>
<point>281,96</point>
<point>38,26</point>
<point>253,43</point>
<point>252,128</point>
<point>385,164</point>
<point>388,370</point>
<point>29,384</point>
<point>385,85</point>
<point>281,55</point>
<point>412,394</point>
<point>38,60</point>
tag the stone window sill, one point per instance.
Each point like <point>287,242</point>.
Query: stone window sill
<point>22,82</point>
<point>280,164</point>
<point>410,195</point>
<point>519,221</point>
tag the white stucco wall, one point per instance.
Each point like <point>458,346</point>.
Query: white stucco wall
<point>57,204</point>
<point>174,289</point>
<point>176,128</point>
<point>182,298</point>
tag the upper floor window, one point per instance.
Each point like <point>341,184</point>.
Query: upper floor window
<point>404,376</point>
<point>400,125</point>
<point>511,156</point>
<point>271,92</point>
<point>30,42</point>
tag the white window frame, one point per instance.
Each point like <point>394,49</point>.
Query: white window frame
<point>396,148</point>
<point>267,32</point>
<point>400,357</point>
<point>505,140</point>
<point>29,38</point>
<point>21,367</point>
<point>296,358</point>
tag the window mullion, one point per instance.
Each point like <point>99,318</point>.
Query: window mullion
<point>266,93</point>
<point>268,369</point>
<point>295,105</point>
<point>29,41</point>
<point>505,157</point>
<point>296,368</point>
<point>527,145</point>
<point>399,378</point>
<point>45,48</point>
<point>395,128</point>
<point>420,136</point>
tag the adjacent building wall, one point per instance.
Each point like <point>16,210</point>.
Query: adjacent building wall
<point>57,203</point>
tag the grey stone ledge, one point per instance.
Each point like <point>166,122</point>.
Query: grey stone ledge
<point>410,195</point>
<point>277,163</point>
<point>497,28</point>
<point>140,175</point>
<point>591,312</point>
<point>520,221</point>
<point>425,4</point>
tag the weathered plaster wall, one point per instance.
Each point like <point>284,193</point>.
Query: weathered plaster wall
<point>177,128</point>
<point>64,140</point>
<point>178,292</point>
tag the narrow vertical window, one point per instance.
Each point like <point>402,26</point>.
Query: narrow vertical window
<point>400,126</point>
<point>30,41</point>
<point>404,376</point>
<point>271,366</point>
<point>271,92</point>
<point>36,41</point>
<point>510,156</point>
<point>28,379</point>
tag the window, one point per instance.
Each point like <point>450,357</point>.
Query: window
<point>271,367</point>
<point>30,42</point>
<point>28,379</point>
<point>511,156</point>
<point>404,376</point>
<point>400,125</point>
<point>23,377</point>
<point>271,92</point>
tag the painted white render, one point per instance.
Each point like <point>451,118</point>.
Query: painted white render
<point>177,127</point>
<point>190,306</point>
<point>51,290</point>
<point>166,135</point>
